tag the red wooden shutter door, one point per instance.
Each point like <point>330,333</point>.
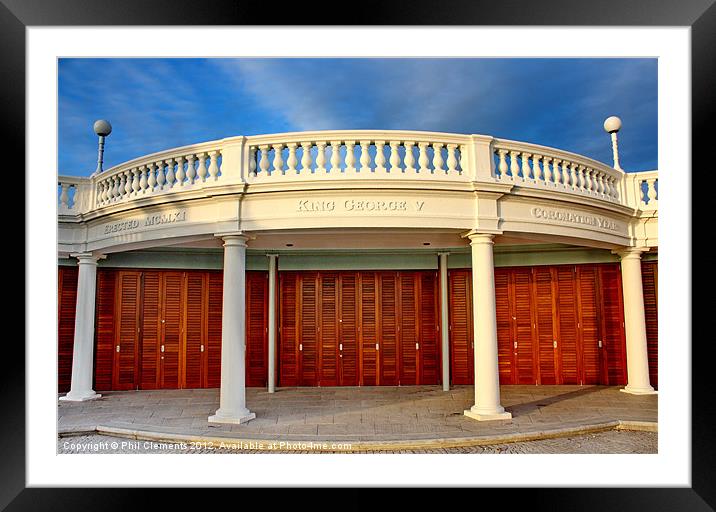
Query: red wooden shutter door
<point>195,330</point>
<point>368,329</point>
<point>215,299</point>
<point>288,339</point>
<point>66,305</point>
<point>567,327</point>
<point>649,275</point>
<point>328,329</point>
<point>408,332</point>
<point>612,316</point>
<point>127,317</point>
<point>308,321</point>
<point>388,321</point>
<point>348,335</point>
<point>544,309</point>
<point>429,353</point>
<point>505,338</point>
<point>104,349</point>
<point>172,301</point>
<point>589,321</point>
<point>256,328</point>
<point>460,317</point>
<point>523,331</point>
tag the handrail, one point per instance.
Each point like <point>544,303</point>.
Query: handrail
<point>355,154</point>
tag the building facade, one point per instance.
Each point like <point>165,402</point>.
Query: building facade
<point>357,258</point>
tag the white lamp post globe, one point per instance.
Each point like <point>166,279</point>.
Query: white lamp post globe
<point>612,124</point>
<point>102,127</point>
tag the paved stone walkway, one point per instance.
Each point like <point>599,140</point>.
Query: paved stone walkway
<point>357,414</point>
<point>613,441</point>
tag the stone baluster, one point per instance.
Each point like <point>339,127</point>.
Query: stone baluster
<point>180,175</point>
<point>423,160</point>
<point>350,157</point>
<point>581,178</point>
<point>572,175</point>
<point>170,177</point>
<point>127,182</point>
<point>525,166</point>
<point>98,194</point>
<point>536,171</point>
<point>438,158</point>
<point>278,159</point>
<point>651,192</point>
<point>201,171</point>
<point>306,162</point>
<point>502,166</point>
<point>120,186</point>
<point>64,195</point>
<point>588,182</point>
<point>547,170</point>
<point>161,177</point>
<point>379,157</point>
<point>135,181</point>
<point>252,161</point>
<point>321,157</point>
<point>143,179</point>
<point>364,156</point>
<point>152,177</point>
<point>214,165</point>
<point>264,164</point>
<point>451,158</point>
<point>115,187</point>
<point>335,157</point>
<point>556,174</point>
<point>514,165</point>
<point>292,161</point>
<point>409,157</point>
<point>190,171</point>
<point>394,156</point>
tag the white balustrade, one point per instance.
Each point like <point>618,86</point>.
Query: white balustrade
<point>389,155</point>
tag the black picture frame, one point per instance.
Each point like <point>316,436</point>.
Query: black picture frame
<point>700,15</point>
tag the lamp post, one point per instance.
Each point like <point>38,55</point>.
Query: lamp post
<point>612,125</point>
<point>102,128</point>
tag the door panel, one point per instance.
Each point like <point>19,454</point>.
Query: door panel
<point>215,300</point>
<point>612,320</point>
<point>308,321</point>
<point>506,350</point>
<point>568,356</point>
<point>589,324</point>
<point>649,275</point>
<point>388,331</point>
<point>105,335</point>
<point>195,330</point>
<point>127,327</point>
<point>66,305</point>
<point>328,329</point>
<point>429,370</point>
<point>256,328</point>
<point>368,329</point>
<point>407,359</point>
<point>171,329</point>
<point>460,321</point>
<point>288,329</point>
<point>526,356</point>
<point>348,334</point>
<point>544,324</point>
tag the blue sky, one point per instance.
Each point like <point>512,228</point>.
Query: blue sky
<point>156,104</point>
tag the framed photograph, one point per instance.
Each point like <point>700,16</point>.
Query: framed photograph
<point>370,255</point>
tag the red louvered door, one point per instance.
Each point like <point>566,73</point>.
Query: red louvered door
<point>288,329</point>
<point>368,329</point>
<point>506,352</point>
<point>151,331</point>
<point>348,371</point>
<point>171,329</point>
<point>407,329</point>
<point>195,331</point>
<point>256,328</point>
<point>544,324</point>
<point>66,305</point>
<point>388,330</point>
<point>612,324</point>
<point>429,352</point>
<point>328,344</point>
<point>126,330</point>
<point>525,347</point>
<point>212,350</point>
<point>308,329</point>
<point>649,276</point>
<point>104,339</point>
<point>588,317</point>
<point>568,353</point>
<point>460,321</point>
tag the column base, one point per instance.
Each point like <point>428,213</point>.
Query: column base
<point>232,418</point>
<point>80,397</point>
<point>639,391</point>
<point>488,415</point>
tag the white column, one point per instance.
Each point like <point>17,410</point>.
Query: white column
<point>232,399</point>
<point>635,324</point>
<point>487,377</point>
<point>83,349</point>
<point>444,331</point>
<point>273,260</point>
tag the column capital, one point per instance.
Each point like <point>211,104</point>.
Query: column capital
<point>630,252</point>
<point>444,253</point>
<point>270,255</point>
<point>477,237</point>
<point>88,257</point>
<point>235,238</point>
